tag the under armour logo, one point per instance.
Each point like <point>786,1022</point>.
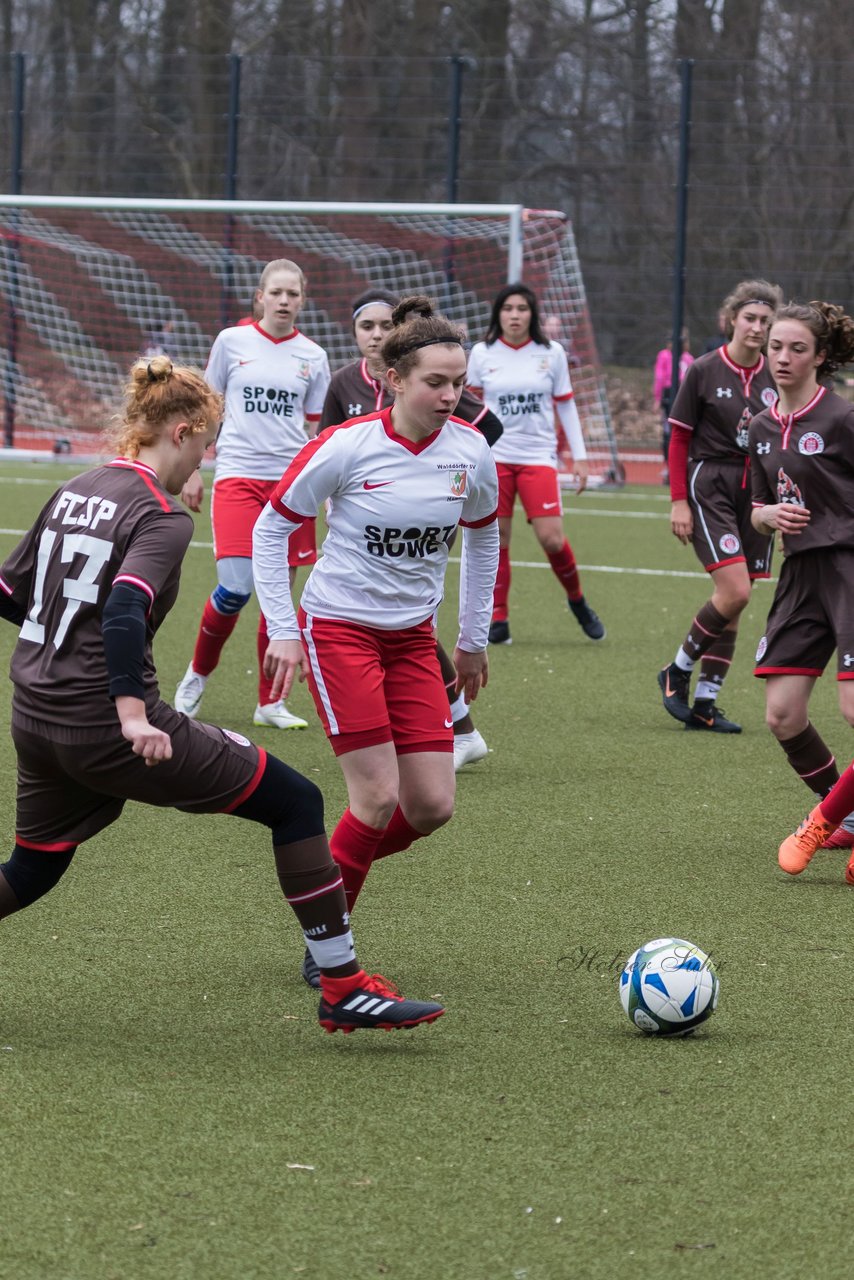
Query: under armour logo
<point>724,391</point>
<point>847,660</point>
<point>764,446</point>
<point>354,410</point>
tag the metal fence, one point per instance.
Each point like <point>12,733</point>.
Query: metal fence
<point>768,189</point>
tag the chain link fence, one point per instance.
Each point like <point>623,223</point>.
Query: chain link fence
<point>770,155</point>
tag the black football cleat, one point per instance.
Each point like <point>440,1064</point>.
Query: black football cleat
<point>499,632</point>
<point>310,970</point>
<point>375,1005</point>
<point>674,684</point>
<point>707,715</point>
<point>591,624</point>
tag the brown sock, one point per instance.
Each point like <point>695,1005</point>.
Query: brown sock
<point>706,628</point>
<point>715,664</point>
<point>812,760</point>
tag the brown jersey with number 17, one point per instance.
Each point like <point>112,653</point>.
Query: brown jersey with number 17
<point>114,524</point>
<point>807,459</point>
<point>715,402</point>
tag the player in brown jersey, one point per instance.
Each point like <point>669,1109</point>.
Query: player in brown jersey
<point>710,491</point>
<point>88,586</point>
<point>802,453</point>
<point>356,389</point>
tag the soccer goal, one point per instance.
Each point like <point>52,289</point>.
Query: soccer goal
<point>87,285</point>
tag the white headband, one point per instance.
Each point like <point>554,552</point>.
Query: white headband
<point>372,302</point>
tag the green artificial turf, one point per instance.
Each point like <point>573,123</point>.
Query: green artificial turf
<point>171,1109</point>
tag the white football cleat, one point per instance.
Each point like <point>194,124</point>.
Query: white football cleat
<point>188,695</point>
<point>275,715</point>
<point>468,747</point>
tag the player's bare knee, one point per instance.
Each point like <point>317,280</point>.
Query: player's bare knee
<point>552,542</point>
<point>782,723</point>
<point>431,812</point>
<point>378,807</point>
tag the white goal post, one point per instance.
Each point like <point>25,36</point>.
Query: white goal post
<point>85,283</point>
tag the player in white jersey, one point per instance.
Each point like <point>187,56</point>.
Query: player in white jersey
<point>524,380</point>
<point>400,481</point>
<point>274,380</point>
<point>357,388</point>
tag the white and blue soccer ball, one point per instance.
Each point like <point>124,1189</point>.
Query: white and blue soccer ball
<point>668,987</point>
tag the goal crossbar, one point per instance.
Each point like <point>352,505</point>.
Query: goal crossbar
<point>86,282</point>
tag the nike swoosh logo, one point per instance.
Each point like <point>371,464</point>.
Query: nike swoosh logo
<point>547,506</point>
<point>252,361</point>
<point>379,485</point>
<point>449,724</point>
<point>301,555</point>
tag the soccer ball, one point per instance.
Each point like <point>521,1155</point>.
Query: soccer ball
<point>669,987</point>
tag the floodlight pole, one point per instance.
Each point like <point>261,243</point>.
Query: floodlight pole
<point>232,153</point>
<point>686,71</point>
<point>10,379</point>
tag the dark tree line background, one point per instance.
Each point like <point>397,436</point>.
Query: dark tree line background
<point>567,104</point>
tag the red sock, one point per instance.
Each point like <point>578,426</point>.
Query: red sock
<point>214,631</point>
<point>839,801</point>
<point>335,989</point>
<point>566,571</point>
<point>502,586</point>
<point>353,844</point>
<point>397,835</point>
<point>265,686</point>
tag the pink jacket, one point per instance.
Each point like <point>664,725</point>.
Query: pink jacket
<point>663,368</point>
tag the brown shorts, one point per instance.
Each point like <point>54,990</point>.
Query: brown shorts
<point>719,494</point>
<point>68,792</point>
<point>811,615</point>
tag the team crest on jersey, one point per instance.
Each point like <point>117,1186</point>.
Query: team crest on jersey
<point>769,397</point>
<point>304,370</point>
<point>237,737</point>
<point>788,491</point>
<point>811,443</point>
<point>544,365</point>
<point>457,480</point>
<point>762,649</point>
<point>729,544</point>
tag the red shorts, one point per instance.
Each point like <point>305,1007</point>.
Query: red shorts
<point>236,504</point>
<point>372,686</point>
<point>538,489</point>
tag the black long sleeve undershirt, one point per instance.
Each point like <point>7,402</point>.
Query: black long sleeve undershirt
<point>11,611</point>
<point>123,630</point>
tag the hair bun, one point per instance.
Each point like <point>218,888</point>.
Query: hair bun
<point>158,369</point>
<point>417,304</point>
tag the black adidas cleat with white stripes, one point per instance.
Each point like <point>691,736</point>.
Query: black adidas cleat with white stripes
<point>375,1004</point>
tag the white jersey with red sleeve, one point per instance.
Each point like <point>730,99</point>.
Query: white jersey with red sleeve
<point>271,386</point>
<point>394,506</point>
<point>522,385</point>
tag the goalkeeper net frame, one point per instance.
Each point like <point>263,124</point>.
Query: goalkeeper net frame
<point>87,285</point>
